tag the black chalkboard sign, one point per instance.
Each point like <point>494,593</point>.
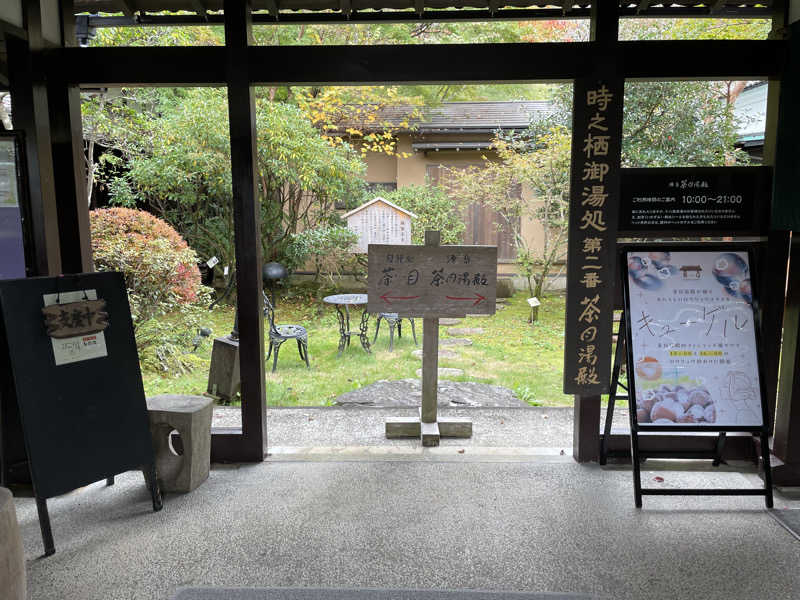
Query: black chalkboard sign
<point>81,402</point>
<point>692,201</point>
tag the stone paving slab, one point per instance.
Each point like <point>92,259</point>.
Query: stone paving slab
<point>481,316</point>
<point>442,354</point>
<point>455,342</point>
<point>462,331</point>
<point>408,392</point>
<point>449,321</point>
<point>445,372</point>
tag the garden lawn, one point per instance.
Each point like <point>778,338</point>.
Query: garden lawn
<point>512,353</point>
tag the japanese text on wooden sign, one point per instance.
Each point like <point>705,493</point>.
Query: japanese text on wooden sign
<point>592,235</point>
<point>432,281</point>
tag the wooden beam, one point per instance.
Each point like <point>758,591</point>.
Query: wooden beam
<point>787,415</point>
<point>604,74</point>
<point>717,6</point>
<point>126,7</point>
<point>200,8</point>
<point>586,428</point>
<point>31,115</point>
<point>247,231</point>
<point>64,103</point>
<point>604,24</point>
<point>69,171</point>
<point>478,63</point>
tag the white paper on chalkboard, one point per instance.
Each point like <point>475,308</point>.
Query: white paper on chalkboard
<point>81,347</point>
<point>693,339</point>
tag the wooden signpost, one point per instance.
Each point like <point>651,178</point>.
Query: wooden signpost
<point>431,281</point>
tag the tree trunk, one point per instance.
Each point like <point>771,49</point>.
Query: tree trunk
<point>536,294</point>
<point>89,173</point>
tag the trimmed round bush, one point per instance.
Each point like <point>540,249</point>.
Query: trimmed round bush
<point>160,269</point>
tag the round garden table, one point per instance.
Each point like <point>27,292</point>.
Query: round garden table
<point>343,302</point>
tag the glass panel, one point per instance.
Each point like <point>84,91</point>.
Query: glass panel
<point>12,251</point>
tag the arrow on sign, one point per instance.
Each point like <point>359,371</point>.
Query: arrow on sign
<point>388,299</point>
<point>477,297</point>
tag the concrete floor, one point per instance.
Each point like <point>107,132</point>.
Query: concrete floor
<point>502,525</point>
<point>400,516</point>
<point>291,429</point>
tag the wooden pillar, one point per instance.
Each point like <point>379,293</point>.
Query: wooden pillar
<point>786,215</point>
<point>31,116</point>
<point>69,177</point>
<point>251,445</point>
<point>604,32</point>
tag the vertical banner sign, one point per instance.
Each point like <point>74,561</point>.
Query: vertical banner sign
<point>593,215</point>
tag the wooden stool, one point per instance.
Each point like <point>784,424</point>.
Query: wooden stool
<point>12,558</point>
<point>191,417</point>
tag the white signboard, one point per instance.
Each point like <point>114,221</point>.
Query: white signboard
<point>82,347</point>
<point>379,222</point>
<point>693,339</point>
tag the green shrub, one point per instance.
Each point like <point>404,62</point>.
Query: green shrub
<point>434,208</point>
<point>328,248</point>
<point>161,276</point>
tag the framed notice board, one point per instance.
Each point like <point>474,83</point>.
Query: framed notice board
<point>691,338</point>
<point>80,403</point>
<point>695,201</point>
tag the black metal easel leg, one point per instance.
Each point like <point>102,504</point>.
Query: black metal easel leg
<point>720,446</point>
<point>152,484</point>
<point>637,473</point>
<point>767,469</point>
<point>44,525</point>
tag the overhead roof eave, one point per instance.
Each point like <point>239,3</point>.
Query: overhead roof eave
<point>107,13</point>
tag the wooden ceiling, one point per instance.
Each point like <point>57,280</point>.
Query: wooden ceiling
<point>192,11</point>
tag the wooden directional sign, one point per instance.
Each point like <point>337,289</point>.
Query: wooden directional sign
<point>432,281</point>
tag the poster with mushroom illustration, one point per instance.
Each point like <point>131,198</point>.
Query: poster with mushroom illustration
<point>693,339</point>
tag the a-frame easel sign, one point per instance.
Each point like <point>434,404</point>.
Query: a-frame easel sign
<point>71,392</point>
<point>691,344</point>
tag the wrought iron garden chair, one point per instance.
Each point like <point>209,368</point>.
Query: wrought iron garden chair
<point>394,321</point>
<point>280,333</point>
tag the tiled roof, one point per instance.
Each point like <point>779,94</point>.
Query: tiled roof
<point>463,116</point>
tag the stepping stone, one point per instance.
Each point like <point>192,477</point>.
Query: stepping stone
<point>478,316</point>
<point>449,321</point>
<point>457,331</point>
<point>455,342</point>
<point>442,354</point>
<point>500,307</point>
<point>445,372</point>
<point>408,393</point>
<point>501,300</point>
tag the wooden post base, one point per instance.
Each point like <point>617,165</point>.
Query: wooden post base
<point>429,433</point>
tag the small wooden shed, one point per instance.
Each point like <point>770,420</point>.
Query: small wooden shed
<point>379,222</point>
